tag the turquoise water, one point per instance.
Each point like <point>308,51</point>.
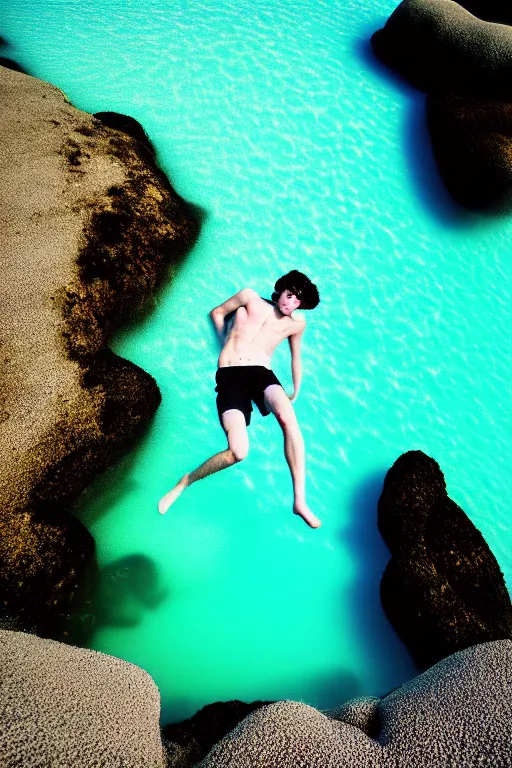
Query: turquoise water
<point>304,154</point>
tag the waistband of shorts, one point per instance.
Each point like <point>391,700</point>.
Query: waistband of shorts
<point>240,368</point>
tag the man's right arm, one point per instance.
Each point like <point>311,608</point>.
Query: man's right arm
<point>218,314</point>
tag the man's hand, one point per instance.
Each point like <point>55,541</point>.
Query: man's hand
<point>293,397</point>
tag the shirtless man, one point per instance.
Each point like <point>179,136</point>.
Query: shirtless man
<point>244,374</point>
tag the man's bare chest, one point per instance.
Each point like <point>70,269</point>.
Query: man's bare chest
<point>261,324</point>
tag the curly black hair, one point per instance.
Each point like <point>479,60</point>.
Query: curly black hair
<point>300,285</point>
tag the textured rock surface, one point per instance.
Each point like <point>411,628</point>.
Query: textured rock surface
<point>189,741</point>
<point>362,713</point>
<point>457,714</point>
<point>442,589</point>
<point>65,706</point>
<point>88,224</point>
<point>472,144</point>
<point>439,46</point>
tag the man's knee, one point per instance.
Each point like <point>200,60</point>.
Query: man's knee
<point>239,452</point>
<point>286,416</point>
<point>236,431</point>
<point>238,442</point>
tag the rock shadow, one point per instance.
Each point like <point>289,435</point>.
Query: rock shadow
<point>378,640</point>
<point>102,494</point>
<point>7,62</point>
<point>333,689</point>
<point>125,590</point>
<point>117,595</point>
<point>417,145</point>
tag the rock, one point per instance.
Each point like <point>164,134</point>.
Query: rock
<point>440,47</point>
<point>65,706</point>
<point>472,145</point>
<point>127,125</point>
<point>46,568</point>
<point>458,713</point>
<point>362,713</point>
<point>89,228</point>
<point>442,590</point>
<point>195,736</point>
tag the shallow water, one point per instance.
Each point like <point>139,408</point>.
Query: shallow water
<point>304,154</point>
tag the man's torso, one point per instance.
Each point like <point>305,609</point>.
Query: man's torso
<point>255,334</point>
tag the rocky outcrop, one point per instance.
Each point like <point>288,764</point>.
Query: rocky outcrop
<point>440,47</point>
<point>65,706</point>
<point>191,740</point>
<point>458,713</point>
<point>128,125</point>
<point>442,590</point>
<point>472,145</point>
<point>465,65</point>
<point>89,227</point>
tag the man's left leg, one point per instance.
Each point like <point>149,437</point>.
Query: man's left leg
<point>278,402</point>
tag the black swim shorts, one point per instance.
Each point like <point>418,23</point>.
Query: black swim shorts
<point>237,385</point>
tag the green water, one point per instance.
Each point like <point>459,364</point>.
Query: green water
<point>303,154</point>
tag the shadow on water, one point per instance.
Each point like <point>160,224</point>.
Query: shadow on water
<point>106,489</point>
<point>175,709</point>
<point>332,690</point>
<point>125,590</point>
<point>379,642</point>
<point>7,62</point>
<point>417,146</point>
<point>117,595</point>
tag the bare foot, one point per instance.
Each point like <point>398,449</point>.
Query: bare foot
<point>169,498</point>
<point>307,515</point>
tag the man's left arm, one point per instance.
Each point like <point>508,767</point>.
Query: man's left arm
<point>294,342</point>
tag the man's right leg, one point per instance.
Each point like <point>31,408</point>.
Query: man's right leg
<point>233,423</point>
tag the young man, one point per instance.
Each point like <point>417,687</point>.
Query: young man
<point>244,374</point>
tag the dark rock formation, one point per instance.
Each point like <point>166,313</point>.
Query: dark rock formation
<point>457,714</point>
<point>442,590</point>
<point>46,560</point>
<point>440,47</point>
<point>472,145</point>
<point>89,227</point>
<point>127,125</point>
<point>196,736</point>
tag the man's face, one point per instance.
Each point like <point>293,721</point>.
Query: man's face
<point>287,302</point>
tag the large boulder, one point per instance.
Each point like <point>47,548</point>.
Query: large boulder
<point>66,706</point>
<point>439,46</point>
<point>472,145</point>
<point>89,227</point>
<point>457,714</point>
<point>442,590</point>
